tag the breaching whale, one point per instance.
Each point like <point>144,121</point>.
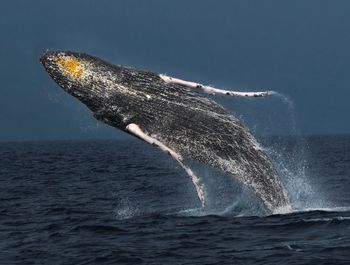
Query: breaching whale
<point>173,115</point>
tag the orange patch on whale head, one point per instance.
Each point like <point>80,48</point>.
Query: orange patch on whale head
<point>71,66</point>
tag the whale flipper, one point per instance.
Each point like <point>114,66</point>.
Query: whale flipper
<point>135,130</point>
<point>213,90</point>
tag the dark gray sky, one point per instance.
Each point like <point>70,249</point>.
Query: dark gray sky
<point>299,48</point>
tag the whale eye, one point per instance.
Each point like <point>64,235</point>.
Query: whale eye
<point>70,66</point>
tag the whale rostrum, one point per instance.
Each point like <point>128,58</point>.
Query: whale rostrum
<point>173,115</point>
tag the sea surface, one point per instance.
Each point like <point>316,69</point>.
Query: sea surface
<point>125,202</point>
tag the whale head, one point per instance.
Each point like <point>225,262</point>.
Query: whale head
<point>85,77</point>
<point>108,90</point>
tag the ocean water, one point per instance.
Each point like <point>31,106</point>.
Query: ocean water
<point>125,202</point>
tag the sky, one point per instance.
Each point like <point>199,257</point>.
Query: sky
<point>299,48</point>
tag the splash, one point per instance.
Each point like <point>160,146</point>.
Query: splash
<point>290,159</point>
<point>125,210</point>
<point>224,195</point>
<point>289,156</point>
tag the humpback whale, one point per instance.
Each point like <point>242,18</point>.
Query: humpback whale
<point>174,115</point>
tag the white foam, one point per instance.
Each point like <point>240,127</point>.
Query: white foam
<point>125,210</point>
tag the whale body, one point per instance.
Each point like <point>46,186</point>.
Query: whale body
<point>172,114</point>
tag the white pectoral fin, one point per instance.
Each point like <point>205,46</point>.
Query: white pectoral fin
<point>213,90</point>
<point>136,130</point>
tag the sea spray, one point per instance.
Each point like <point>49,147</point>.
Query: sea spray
<point>274,122</point>
<point>224,195</point>
<point>289,154</point>
<point>125,209</point>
